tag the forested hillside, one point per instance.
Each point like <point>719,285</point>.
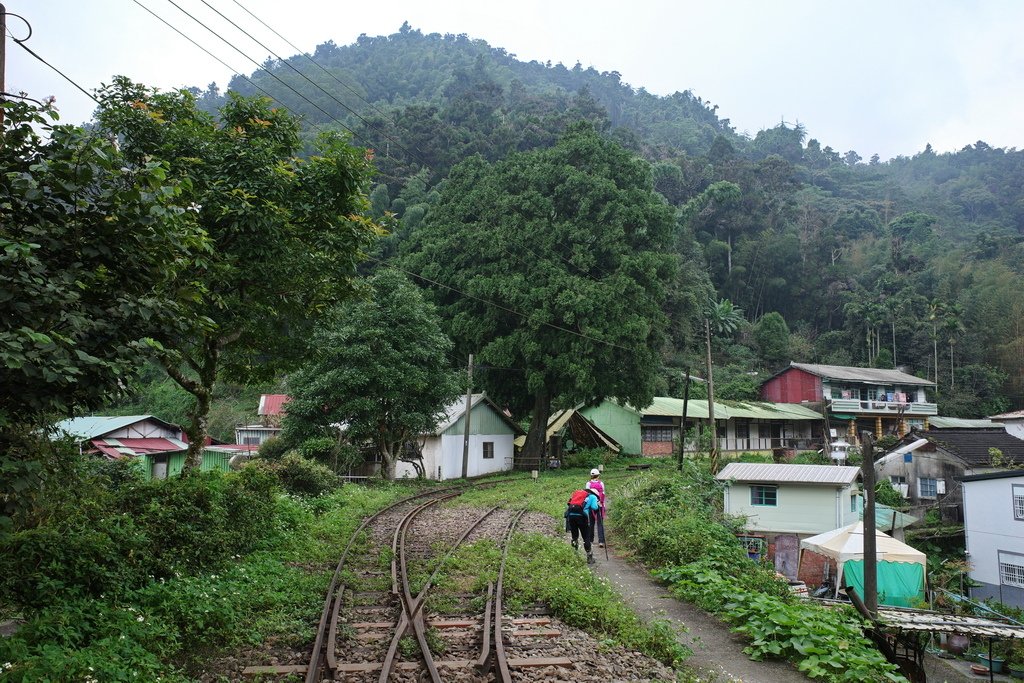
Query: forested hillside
<point>915,261</point>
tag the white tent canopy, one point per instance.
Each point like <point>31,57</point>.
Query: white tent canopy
<point>847,543</point>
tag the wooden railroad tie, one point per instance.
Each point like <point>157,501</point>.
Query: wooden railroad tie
<point>369,667</point>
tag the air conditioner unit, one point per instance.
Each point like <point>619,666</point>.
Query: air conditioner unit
<point>904,489</point>
<point>940,487</point>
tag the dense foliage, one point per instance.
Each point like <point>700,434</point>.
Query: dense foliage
<point>913,261</point>
<point>284,234</point>
<point>561,279</point>
<point>379,373</point>
<point>125,580</point>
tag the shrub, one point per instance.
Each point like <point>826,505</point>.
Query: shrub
<point>273,448</point>
<point>319,448</point>
<point>586,457</point>
<point>302,476</point>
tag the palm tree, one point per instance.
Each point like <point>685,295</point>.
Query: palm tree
<point>720,318</point>
<point>953,327</point>
<point>936,309</point>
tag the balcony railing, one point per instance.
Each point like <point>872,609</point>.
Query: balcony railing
<point>852,405</point>
<point>733,445</point>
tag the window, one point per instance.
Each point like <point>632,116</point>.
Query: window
<point>488,450</point>
<point>1018,501</point>
<point>764,495</point>
<point>1011,569</point>
<point>742,429</point>
<point>897,479</point>
<point>251,441</point>
<point>159,467</point>
<point>656,433</point>
<point>854,502</point>
<point>927,487</point>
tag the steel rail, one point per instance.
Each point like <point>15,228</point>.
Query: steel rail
<point>501,659</point>
<point>332,603</point>
<point>412,606</point>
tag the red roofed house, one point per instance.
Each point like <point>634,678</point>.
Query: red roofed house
<point>863,399</point>
<point>271,410</point>
<point>158,445</point>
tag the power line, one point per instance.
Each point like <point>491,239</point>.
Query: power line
<point>222,62</point>
<point>261,67</point>
<point>315,84</point>
<point>299,50</point>
<point>499,306</point>
<point>21,43</point>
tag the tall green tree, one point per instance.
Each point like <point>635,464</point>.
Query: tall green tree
<point>380,369</point>
<point>89,249</point>
<point>720,318</point>
<point>284,232</point>
<point>553,265</point>
<point>772,336</point>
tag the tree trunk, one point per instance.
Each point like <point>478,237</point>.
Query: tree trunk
<point>894,343</point>
<point>534,448</point>
<point>198,428</point>
<point>951,366</point>
<point>935,356</point>
<point>388,459</point>
<point>713,449</point>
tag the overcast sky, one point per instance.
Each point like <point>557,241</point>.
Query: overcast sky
<point>873,76</point>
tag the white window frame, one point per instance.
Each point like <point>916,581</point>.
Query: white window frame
<point>934,488</point>
<point>1011,569</point>
<point>1017,496</point>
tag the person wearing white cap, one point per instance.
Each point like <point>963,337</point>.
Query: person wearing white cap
<point>597,486</point>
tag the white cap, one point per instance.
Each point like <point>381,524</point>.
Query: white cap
<point>595,472</point>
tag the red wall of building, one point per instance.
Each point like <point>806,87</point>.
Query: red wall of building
<point>792,386</point>
<point>657,448</point>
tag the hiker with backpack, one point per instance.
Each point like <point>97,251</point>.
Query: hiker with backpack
<point>597,485</point>
<point>580,514</point>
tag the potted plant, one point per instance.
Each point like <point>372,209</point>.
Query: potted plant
<point>1015,660</point>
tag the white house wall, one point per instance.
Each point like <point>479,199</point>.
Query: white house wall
<point>802,509</point>
<point>144,429</point>
<point>992,531</point>
<point>442,457</point>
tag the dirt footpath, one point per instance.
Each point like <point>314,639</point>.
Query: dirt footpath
<point>717,653</point>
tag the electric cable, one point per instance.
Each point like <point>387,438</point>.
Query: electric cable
<point>21,42</point>
<point>263,68</point>
<point>221,61</point>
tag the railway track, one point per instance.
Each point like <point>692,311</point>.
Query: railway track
<point>363,610</point>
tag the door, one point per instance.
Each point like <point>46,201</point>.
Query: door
<point>787,555</point>
<point>776,432</point>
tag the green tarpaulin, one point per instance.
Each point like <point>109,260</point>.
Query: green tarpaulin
<point>899,583</point>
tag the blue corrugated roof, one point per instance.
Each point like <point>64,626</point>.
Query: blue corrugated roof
<point>90,427</point>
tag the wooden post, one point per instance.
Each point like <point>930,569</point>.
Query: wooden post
<point>3,59</point>
<point>465,438</point>
<point>878,426</point>
<point>870,542</point>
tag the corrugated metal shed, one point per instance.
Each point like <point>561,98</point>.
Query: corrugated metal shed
<point>867,375</point>
<point>120,448</point>
<point>938,422</point>
<point>790,474</point>
<point>272,404</point>
<point>453,412</point>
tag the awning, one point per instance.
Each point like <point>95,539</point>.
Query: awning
<point>841,416</point>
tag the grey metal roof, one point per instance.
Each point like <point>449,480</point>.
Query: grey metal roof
<point>938,422</point>
<point>867,375</point>
<point>918,620</point>
<point>667,406</point>
<point>1015,415</point>
<point>792,474</point>
<point>454,410</point>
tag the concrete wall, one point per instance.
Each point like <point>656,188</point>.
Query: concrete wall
<point>926,462</point>
<point>993,535</point>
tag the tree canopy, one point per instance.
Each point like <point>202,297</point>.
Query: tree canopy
<point>284,232</point>
<point>553,266</point>
<point>380,373</point>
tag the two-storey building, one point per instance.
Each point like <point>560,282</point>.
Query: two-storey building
<point>994,534</point>
<point>863,399</point>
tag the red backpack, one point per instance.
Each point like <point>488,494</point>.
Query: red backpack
<point>577,500</point>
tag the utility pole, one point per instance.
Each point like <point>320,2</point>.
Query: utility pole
<point>682,425</point>
<point>870,541</point>
<point>3,59</point>
<point>465,438</point>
